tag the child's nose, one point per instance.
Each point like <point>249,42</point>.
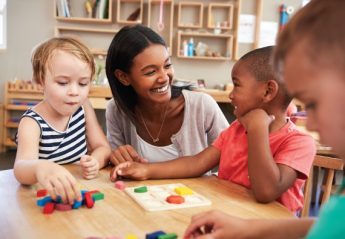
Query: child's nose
<point>73,89</point>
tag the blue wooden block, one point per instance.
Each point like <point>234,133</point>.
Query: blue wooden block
<point>154,235</point>
<point>77,204</point>
<point>43,201</point>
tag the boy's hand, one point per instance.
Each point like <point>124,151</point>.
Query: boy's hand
<point>255,119</point>
<point>216,225</point>
<point>90,166</point>
<point>133,170</point>
<point>58,181</point>
<point>125,153</point>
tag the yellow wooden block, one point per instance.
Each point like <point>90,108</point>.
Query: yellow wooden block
<point>131,236</point>
<point>183,191</point>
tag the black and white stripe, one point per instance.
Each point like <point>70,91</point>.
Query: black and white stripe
<point>61,147</point>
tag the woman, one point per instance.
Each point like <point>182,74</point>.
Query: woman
<point>144,121</point>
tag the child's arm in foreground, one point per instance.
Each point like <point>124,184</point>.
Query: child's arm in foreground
<point>217,225</point>
<point>189,166</point>
<point>98,145</point>
<point>28,169</point>
<point>268,179</point>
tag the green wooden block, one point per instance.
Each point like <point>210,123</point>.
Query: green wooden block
<point>168,236</point>
<point>98,196</point>
<point>140,189</point>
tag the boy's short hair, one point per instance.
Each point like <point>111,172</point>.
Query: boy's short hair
<point>318,25</point>
<point>259,64</point>
<point>43,53</point>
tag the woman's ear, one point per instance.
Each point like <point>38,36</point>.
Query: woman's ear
<point>122,77</point>
<point>272,89</point>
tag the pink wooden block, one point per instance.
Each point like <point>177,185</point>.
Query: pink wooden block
<point>63,207</point>
<point>120,185</point>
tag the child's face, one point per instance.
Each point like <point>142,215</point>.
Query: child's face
<point>321,88</point>
<point>67,83</point>
<point>151,74</point>
<point>247,92</point>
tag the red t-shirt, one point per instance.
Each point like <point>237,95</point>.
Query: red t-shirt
<point>288,146</point>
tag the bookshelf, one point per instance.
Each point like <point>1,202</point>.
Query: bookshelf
<point>82,11</point>
<point>130,12</point>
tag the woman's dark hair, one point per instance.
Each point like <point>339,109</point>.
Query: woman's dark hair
<point>125,46</point>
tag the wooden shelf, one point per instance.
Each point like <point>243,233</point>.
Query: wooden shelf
<point>11,125</point>
<point>10,143</point>
<point>222,44</point>
<point>127,9</point>
<point>222,13</point>
<point>17,107</point>
<point>78,13</point>
<point>190,14</point>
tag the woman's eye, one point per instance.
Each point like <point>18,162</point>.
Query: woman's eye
<point>150,73</point>
<point>310,106</point>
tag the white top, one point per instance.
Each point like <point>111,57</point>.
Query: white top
<point>156,154</point>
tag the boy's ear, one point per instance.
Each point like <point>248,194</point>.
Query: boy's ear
<point>272,88</point>
<point>122,77</point>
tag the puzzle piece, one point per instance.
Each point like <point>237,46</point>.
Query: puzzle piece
<point>183,191</point>
<point>140,189</point>
<point>168,236</point>
<point>175,199</point>
<point>155,199</point>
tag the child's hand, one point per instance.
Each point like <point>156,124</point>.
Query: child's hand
<point>90,166</point>
<point>58,181</point>
<point>256,118</point>
<point>125,153</point>
<point>216,225</point>
<point>131,170</point>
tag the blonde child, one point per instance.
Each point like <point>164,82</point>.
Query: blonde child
<point>262,150</point>
<point>310,57</point>
<point>63,127</point>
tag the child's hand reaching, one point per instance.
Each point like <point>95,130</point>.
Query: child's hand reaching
<point>125,153</point>
<point>58,181</point>
<point>131,170</point>
<point>90,166</point>
<point>216,225</point>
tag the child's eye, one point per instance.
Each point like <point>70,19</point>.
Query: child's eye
<point>84,84</point>
<point>167,66</point>
<point>310,106</point>
<point>236,84</point>
<point>62,83</point>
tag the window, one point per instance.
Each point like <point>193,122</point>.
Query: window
<point>3,24</point>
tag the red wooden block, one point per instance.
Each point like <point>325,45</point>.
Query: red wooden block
<point>88,200</point>
<point>49,208</point>
<point>63,207</point>
<point>175,199</point>
<point>41,192</point>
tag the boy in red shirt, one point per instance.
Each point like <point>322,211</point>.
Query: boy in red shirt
<point>261,150</point>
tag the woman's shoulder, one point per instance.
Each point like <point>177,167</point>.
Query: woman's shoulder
<point>197,96</point>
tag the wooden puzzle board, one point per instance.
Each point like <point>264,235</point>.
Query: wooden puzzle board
<point>155,197</point>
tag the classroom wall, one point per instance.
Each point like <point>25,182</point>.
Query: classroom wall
<point>31,21</point>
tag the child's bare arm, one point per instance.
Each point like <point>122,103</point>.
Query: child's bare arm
<point>268,179</point>
<point>28,169</point>
<point>184,167</point>
<point>216,224</point>
<point>100,148</point>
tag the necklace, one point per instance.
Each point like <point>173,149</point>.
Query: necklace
<point>154,140</point>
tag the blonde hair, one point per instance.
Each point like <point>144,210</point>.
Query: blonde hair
<point>318,25</point>
<point>43,53</point>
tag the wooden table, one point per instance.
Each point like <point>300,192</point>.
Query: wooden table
<point>118,214</point>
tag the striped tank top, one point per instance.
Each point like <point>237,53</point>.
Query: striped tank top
<point>61,147</point>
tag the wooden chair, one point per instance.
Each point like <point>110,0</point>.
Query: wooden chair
<point>330,164</point>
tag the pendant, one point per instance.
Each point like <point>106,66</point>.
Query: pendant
<point>155,140</point>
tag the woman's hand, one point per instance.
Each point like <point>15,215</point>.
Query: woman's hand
<point>125,153</point>
<point>129,169</point>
